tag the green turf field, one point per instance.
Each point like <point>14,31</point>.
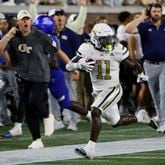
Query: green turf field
<point>65,137</point>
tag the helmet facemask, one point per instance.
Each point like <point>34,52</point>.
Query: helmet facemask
<point>103,37</point>
<point>106,42</point>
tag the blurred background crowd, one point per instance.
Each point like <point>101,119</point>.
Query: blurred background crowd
<point>110,3</point>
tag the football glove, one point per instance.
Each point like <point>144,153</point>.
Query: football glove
<point>86,65</point>
<point>142,77</point>
<point>70,66</point>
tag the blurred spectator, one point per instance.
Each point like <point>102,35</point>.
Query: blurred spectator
<point>69,43</point>
<point>8,2</point>
<point>146,2</point>
<point>76,22</point>
<point>52,2</point>
<point>131,2</point>
<point>108,2</point>
<point>20,2</point>
<point>124,18</point>
<point>8,86</point>
<point>72,2</point>
<point>101,19</point>
<point>95,2</point>
<point>118,2</point>
<point>84,87</point>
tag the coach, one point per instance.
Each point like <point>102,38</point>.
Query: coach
<point>151,28</point>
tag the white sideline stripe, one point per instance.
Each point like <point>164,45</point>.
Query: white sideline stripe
<point>67,152</point>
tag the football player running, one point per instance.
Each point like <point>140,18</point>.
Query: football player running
<point>107,55</point>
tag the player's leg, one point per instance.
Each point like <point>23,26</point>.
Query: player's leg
<point>89,150</point>
<point>76,107</point>
<point>116,120</point>
<point>17,108</point>
<point>103,100</point>
<point>36,105</point>
<point>60,91</point>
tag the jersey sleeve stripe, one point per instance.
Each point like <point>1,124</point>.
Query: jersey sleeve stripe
<point>79,53</point>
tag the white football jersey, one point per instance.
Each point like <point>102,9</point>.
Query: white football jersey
<point>106,71</point>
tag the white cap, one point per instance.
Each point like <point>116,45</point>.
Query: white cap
<point>2,16</point>
<point>53,12</point>
<point>23,13</point>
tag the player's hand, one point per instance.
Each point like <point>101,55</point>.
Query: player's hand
<point>86,65</point>
<point>142,77</point>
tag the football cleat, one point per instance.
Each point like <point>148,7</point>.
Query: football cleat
<point>142,116</point>
<point>7,135</point>
<point>72,127</point>
<point>161,129</point>
<point>1,124</point>
<point>153,124</point>
<point>15,131</point>
<point>49,125</point>
<point>58,124</point>
<point>36,144</point>
<point>84,153</point>
<point>81,152</point>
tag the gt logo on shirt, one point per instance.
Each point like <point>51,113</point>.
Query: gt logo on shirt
<point>24,48</point>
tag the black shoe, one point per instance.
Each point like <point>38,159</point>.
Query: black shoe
<point>7,135</point>
<point>153,124</point>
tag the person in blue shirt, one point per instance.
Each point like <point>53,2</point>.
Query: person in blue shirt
<point>69,43</point>
<point>151,28</point>
<point>8,89</point>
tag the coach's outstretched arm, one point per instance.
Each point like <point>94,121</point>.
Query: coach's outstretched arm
<point>132,26</point>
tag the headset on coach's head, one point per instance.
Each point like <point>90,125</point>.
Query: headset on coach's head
<point>149,7</point>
